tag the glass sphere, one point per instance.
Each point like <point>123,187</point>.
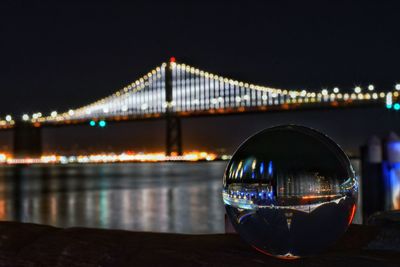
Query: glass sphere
<point>290,191</point>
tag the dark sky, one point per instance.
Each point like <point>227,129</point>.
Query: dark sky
<point>60,55</point>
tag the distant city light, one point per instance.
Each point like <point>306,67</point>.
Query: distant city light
<point>8,118</point>
<point>71,112</point>
<point>388,106</point>
<point>397,87</point>
<point>357,89</point>
<point>371,87</point>
<point>396,106</point>
<point>53,114</point>
<point>324,92</point>
<point>336,90</point>
<point>102,123</point>
<point>25,117</point>
<point>92,123</point>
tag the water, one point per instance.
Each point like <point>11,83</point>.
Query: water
<point>158,197</point>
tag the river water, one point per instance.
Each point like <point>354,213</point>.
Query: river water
<point>158,197</point>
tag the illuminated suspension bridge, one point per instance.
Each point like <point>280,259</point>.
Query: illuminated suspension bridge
<point>174,90</point>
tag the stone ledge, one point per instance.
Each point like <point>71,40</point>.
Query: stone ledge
<point>23,244</point>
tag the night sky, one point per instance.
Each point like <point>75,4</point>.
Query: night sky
<point>61,55</point>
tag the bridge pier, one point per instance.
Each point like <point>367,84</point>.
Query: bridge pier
<point>174,136</point>
<point>27,140</point>
<point>174,130</point>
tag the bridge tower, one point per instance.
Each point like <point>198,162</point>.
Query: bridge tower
<point>27,140</point>
<point>173,127</point>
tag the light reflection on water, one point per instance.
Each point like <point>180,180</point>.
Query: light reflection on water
<point>159,197</point>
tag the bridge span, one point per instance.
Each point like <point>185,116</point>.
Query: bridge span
<point>174,90</point>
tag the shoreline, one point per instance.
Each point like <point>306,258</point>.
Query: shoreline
<point>116,162</point>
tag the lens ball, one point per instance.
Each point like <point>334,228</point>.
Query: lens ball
<point>290,191</point>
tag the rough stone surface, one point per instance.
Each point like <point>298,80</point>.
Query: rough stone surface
<point>389,235</point>
<point>385,218</point>
<point>38,245</point>
<point>387,239</point>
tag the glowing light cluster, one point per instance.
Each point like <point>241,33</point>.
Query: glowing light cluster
<point>7,122</point>
<point>390,101</point>
<point>109,158</point>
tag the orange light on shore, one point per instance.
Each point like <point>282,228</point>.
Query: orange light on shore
<point>110,158</point>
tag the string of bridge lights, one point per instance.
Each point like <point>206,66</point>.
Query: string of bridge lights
<point>324,93</point>
<point>134,87</point>
<point>117,102</point>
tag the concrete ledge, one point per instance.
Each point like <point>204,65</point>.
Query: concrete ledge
<point>23,244</point>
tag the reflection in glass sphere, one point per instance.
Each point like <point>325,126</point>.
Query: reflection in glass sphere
<point>290,191</point>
